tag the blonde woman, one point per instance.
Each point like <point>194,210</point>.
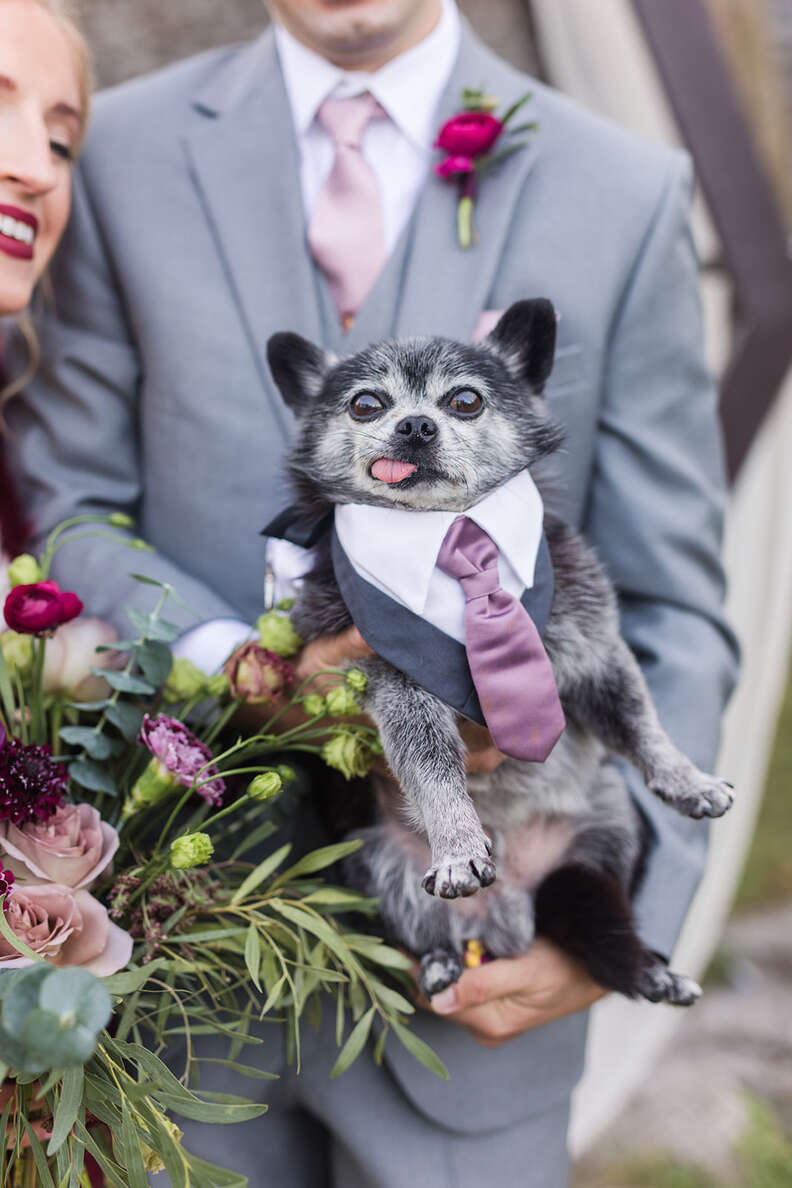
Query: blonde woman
<point>44,93</point>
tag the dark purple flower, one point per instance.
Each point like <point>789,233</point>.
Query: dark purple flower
<point>182,755</point>
<point>32,787</point>
<point>40,607</point>
<point>6,885</point>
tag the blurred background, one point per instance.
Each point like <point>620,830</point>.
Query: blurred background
<point>703,1100</point>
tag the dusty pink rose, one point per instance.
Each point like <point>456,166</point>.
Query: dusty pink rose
<point>450,166</point>
<point>72,847</point>
<point>70,655</point>
<point>66,927</point>
<point>256,674</point>
<point>469,134</point>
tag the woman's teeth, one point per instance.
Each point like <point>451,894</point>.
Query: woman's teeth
<point>16,229</point>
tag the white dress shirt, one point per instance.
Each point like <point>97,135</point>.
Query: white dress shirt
<point>399,150</point>
<point>396,550</point>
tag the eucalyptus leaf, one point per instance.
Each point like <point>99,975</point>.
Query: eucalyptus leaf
<point>133,1156</point>
<point>88,774</point>
<point>253,954</point>
<point>94,742</point>
<point>156,660</point>
<point>151,627</point>
<point>124,682</point>
<point>76,992</point>
<point>321,858</point>
<point>44,1175</point>
<point>126,718</point>
<point>132,979</point>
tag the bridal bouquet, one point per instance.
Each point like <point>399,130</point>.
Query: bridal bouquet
<point>141,905</point>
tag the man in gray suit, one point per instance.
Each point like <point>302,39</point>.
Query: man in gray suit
<point>187,250</point>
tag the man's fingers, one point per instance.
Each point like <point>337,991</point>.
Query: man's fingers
<point>330,651</point>
<point>482,985</point>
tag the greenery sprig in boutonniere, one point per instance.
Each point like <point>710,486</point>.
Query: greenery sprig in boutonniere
<point>469,140</point>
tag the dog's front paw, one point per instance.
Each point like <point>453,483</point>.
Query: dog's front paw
<point>660,984</point>
<point>694,794</point>
<point>459,875</point>
<point>439,969</point>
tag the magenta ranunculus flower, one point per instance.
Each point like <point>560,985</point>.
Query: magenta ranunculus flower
<point>181,755</point>
<point>72,847</point>
<point>451,166</point>
<point>32,787</point>
<point>469,134</point>
<point>41,607</point>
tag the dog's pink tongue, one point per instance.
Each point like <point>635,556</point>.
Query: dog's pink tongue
<point>388,470</point>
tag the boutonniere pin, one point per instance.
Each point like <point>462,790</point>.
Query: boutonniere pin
<point>470,140</point>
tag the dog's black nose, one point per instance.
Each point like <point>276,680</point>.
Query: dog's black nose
<point>417,427</point>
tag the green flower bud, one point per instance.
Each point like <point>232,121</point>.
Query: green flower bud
<point>357,680</point>
<point>276,634</point>
<point>185,681</point>
<point>347,752</point>
<point>150,788</point>
<point>265,786</point>
<point>314,705</point>
<point>142,546</point>
<point>285,604</point>
<point>17,651</point>
<point>218,686</point>
<point>23,571</point>
<point>341,702</point>
<point>120,520</point>
<point>287,774</point>
<point>194,849</point>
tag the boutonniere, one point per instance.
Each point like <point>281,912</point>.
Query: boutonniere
<point>470,140</point>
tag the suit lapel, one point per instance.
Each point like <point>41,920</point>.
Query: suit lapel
<point>244,162</point>
<point>445,288</point>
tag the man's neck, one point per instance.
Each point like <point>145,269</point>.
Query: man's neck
<point>377,52</point>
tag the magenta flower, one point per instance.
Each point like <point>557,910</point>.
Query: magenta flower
<point>469,133</point>
<point>451,166</point>
<point>40,607</point>
<point>32,787</point>
<point>182,755</point>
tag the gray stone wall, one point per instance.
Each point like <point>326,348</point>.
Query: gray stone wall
<point>130,37</point>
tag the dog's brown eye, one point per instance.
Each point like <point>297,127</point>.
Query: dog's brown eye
<point>466,403</point>
<point>365,405</point>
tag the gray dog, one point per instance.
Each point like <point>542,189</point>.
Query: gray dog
<point>563,835</point>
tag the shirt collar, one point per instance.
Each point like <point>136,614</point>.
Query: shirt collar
<point>409,87</point>
<point>399,548</point>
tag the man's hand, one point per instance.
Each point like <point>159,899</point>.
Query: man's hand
<point>501,999</point>
<point>329,651</point>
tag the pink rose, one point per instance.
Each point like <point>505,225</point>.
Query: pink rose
<point>72,847</point>
<point>450,166</point>
<point>469,134</point>
<point>66,927</point>
<point>40,607</point>
<point>70,655</point>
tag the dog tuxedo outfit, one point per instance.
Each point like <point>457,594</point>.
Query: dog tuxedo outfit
<point>457,602</point>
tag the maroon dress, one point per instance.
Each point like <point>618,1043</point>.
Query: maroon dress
<point>13,531</point>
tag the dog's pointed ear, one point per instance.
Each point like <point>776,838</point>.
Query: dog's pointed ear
<point>298,368</point>
<point>525,339</point>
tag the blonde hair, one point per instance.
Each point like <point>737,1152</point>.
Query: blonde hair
<point>64,14</point>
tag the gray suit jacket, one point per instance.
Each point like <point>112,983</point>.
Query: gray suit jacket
<point>187,250</point>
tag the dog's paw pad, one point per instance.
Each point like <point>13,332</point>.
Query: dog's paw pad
<point>455,877</point>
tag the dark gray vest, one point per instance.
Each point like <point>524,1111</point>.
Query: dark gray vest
<point>436,661</point>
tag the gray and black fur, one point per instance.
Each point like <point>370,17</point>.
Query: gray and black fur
<point>564,836</point>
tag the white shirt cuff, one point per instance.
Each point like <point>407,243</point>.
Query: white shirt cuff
<point>210,644</point>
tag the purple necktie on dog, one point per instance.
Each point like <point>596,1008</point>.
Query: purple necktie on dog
<point>508,663</point>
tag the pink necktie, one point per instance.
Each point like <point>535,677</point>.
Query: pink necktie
<point>508,663</point>
<point>346,233</point>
